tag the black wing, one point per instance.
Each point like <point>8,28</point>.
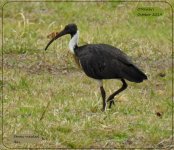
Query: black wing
<point>101,61</point>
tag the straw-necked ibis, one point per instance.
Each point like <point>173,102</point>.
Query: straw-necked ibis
<point>102,61</point>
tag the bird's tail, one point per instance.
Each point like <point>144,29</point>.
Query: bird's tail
<point>134,74</point>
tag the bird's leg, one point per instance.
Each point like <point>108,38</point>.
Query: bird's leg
<point>103,93</point>
<point>111,97</point>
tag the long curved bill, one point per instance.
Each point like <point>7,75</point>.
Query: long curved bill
<point>56,37</point>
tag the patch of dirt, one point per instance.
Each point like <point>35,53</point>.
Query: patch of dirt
<point>166,144</point>
<point>161,64</point>
<point>35,64</point>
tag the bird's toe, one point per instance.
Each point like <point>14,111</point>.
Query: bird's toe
<point>111,102</point>
<point>103,109</point>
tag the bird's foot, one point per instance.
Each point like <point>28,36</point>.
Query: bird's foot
<point>104,107</point>
<point>111,102</point>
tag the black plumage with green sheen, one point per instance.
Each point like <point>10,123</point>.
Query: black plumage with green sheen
<point>102,61</point>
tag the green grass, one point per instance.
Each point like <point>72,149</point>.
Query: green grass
<point>46,94</point>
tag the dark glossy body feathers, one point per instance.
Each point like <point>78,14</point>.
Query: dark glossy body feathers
<point>102,61</point>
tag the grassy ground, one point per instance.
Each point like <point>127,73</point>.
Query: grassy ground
<point>46,94</point>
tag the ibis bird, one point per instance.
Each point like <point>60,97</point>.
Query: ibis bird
<point>102,61</point>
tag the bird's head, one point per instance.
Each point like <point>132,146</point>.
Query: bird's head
<point>69,29</point>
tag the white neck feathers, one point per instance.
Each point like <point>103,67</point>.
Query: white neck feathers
<point>74,41</point>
